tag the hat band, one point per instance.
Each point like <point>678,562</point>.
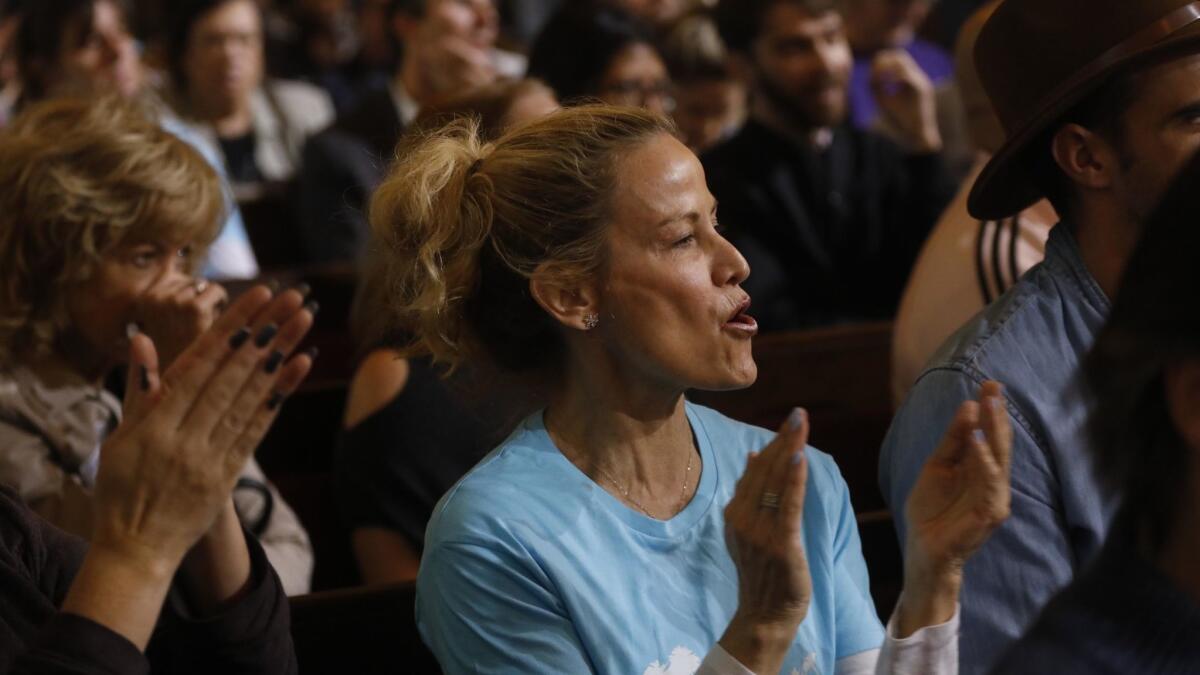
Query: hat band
<point>1145,38</point>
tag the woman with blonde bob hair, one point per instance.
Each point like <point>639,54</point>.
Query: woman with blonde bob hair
<point>103,218</point>
<point>622,529</point>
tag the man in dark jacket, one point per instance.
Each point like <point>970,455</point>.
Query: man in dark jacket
<point>829,217</point>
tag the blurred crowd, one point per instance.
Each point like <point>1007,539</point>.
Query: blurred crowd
<point>837,163</point>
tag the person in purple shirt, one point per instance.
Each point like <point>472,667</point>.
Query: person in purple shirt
<point>878,30</point>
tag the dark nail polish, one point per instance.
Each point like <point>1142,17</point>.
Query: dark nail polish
<point>312,352</point>
<point>313,307</point>
<point>273,285</point>
<point>239,338</point>
<point>303,289</point>
<point>144,377</point>
<point>273,361</point>
<point>265,335</point>
<point>275,401</point>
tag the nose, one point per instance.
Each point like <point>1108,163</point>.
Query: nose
<point>731,268</point>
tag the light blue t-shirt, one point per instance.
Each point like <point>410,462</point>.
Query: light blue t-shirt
<point>531,567</point>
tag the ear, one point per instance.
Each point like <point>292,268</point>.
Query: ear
<point>1088,160</point>
<point>568,304</point>
<point>1182,384</point>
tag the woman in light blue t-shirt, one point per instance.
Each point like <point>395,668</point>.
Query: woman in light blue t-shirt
<point>621,529</point>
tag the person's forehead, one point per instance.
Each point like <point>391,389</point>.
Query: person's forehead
<point>1166,73</point>
<point>792,19</point>
<point>658,179</point>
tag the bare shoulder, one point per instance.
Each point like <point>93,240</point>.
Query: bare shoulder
<point>380,377</point>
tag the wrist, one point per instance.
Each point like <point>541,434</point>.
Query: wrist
<point>120,591</point>
<point>930,596</point>
<point>757,643</point>
<point>154,565</point>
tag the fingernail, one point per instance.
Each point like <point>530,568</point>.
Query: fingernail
<point>273,285</point>
<point>265,335</point>
<point>996,403</point>
<point>796,419</point>
<point>275,401</point>
<point>273,361</point>
<point>132,329</point>
<point>313,307</point>
<point>303,289</point>
<point>144,377</point>
<point>312,352</point>
<point>797,457</point>
<point>979,436</point>
<point>239,338</point>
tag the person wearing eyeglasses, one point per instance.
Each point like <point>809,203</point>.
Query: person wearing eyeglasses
<point>598,52</point>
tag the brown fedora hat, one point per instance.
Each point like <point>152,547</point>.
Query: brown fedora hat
<point>1039,58</point>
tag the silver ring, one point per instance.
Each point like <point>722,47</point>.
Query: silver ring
<point>199,285</point>
<point>770,500</point>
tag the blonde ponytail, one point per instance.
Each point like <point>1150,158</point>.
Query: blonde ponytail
<point>462,226</point>
<point>432,216</point>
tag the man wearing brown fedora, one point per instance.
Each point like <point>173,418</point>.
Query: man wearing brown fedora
<point>1100,102</point>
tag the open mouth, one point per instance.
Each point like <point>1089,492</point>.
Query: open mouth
<point>740,320</point>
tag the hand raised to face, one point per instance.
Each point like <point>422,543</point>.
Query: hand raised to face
<point>906,98</point>
<point>177,310</point>
<point>168,469</point>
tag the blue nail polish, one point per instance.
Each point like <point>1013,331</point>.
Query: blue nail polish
<point>797,457</point>
<point>979,436</point>
<point>796,419</point>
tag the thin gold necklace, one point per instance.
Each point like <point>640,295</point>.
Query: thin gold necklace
<point>625,491</point>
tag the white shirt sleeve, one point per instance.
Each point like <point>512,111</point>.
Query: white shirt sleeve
<point>933,650</point>
<point>719,662</point>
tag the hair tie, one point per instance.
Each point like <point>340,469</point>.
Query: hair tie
<point>474,167</point>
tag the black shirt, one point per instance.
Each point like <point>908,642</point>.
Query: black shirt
<point>239,159</point>
<point>831,234</point>
<point>37,564</point>
<point>394,466</point>
<point>1120,616</point>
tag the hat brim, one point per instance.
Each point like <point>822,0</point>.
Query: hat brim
<point>1004,187</point>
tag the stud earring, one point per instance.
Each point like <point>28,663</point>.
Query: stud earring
<point>590,321</point>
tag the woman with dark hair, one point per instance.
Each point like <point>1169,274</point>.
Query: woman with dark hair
<point>592,50</point>
<point>1137,609</point>
<point>411,432</point>
<point>216,57</point>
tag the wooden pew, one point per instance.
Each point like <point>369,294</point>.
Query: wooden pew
<point>361,631</point>
<point>840,375</point>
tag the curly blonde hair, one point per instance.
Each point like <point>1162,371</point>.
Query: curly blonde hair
<point>81,177</point>
<point>464,225</point>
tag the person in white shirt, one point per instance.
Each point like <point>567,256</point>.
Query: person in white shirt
<point>220,84</point>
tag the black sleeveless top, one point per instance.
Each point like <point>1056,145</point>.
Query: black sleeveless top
<point>393,467</point>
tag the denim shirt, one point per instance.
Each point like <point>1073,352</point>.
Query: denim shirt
<point>1033,340</point>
